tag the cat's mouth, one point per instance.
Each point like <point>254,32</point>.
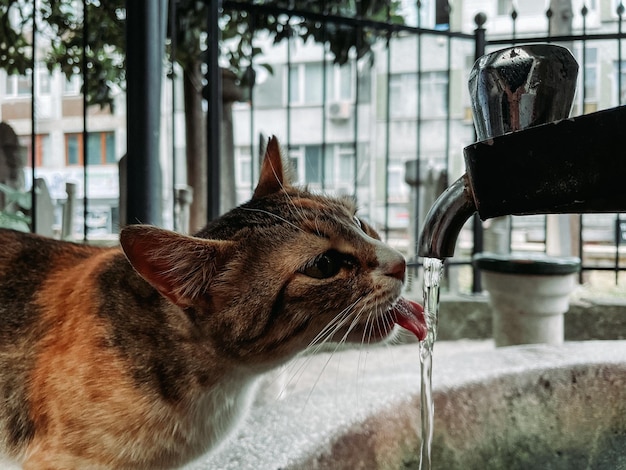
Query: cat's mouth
<point>410,316</point>
<point>405,313</point>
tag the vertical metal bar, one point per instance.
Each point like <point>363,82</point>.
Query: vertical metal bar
<point>289,85</point>
<point>33,125</point>
<point>514,23</point>
<point>173,46</point>
<point>580,247</point>
<point>355,141</point>
<point>620,12</point>
<point>85,148</point>
<point>324,98</point>
<point>479,50</point>
<point>448,119</point>
<point>448,91</point>
<point>387,130</point>
<point>513,42</point>
<point>144,55</point>
<point>214,111</point>
<point>253,157</point>
<point>418,131</point>
<point>582,111</point>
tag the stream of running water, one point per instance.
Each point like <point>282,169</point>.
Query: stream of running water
<point>433,270</point>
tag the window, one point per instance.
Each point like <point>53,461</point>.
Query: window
<point>334,171</point>
<point>590,85</point>
<point>434,89</point>
<point>505,7</point>
<point>591,75</point>
<point>18,86</point>
<point>243,166</point>
<point>295,156</point>
<point>43,81</point>
<point>365,82</point>
<point>340,82</point>
<point>42,149</point>
<point>403,94</point>
<point>313,161</point>
<point>307,87</point>
<point>523,8</point>
<point>345,168</point>
<point>72,86</point>
<point>398,190</point>
<point>100,149</point>
<point>293,84</point>
<point>21,85</point>
<point>305,83</point>
<point>430,13</point>
<point>306,162</point>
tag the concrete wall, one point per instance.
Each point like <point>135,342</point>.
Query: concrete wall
<point>469,317</point>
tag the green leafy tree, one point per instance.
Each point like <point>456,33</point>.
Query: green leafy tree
<point>61,25</point>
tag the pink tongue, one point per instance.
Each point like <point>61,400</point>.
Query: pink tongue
<point>410,316</point>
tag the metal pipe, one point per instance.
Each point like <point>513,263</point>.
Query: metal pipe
<point>214,112</point>
<point>144,55</point>
<point>85,134</point>
<point>445,219</point>
<point>33,124</point>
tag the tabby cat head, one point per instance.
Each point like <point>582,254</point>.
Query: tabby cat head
<point>287,269</point>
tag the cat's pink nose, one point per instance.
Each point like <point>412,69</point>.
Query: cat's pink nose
<point>396,269</point>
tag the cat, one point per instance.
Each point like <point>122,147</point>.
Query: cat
<point>143,356</point>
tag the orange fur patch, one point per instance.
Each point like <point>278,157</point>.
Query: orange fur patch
<point>78,386</point>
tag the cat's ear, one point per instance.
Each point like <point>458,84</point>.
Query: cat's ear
<point>179,266</point>
<point>273,176</point>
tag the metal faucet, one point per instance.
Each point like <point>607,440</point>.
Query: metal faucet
<point>522,164</point>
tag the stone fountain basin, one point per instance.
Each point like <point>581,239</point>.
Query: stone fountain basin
<point>520,407</point>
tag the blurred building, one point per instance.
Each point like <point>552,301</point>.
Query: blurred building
<point>348,129</point>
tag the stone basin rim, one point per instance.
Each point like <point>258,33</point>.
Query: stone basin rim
<point>292,434</point>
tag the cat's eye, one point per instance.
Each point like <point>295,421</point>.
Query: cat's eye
<point>357,222</point>
<point>327,265</point>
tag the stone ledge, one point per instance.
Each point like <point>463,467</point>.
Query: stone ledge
<point>469,317</point>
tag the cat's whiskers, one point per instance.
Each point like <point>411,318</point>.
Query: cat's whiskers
<point>354,322</point>
<point>372,317</point>
<point>318,342</point>
<point>365,340</point>
<point>333,325</point>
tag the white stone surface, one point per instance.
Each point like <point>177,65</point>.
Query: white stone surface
<point>362,411</point>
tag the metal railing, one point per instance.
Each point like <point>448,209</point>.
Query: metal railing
<point>375,135</point>
<point>580,38</point>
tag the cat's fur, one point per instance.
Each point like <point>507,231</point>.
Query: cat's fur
<point>141,357</point>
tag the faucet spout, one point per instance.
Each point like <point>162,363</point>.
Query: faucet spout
<point>445,219</point>
<point>514,91</point>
